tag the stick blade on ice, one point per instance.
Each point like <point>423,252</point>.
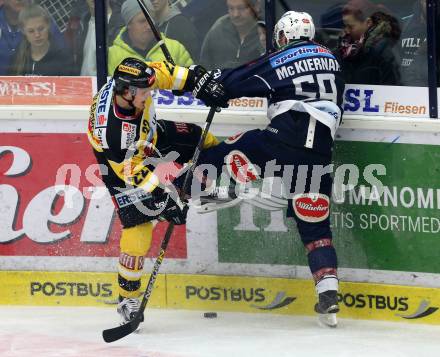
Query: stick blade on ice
<point>116,333</point>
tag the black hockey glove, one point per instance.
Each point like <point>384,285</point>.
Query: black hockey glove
<point>206,88</point>
<point>173,211</point>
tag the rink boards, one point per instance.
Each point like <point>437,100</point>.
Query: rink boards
<point>387,245</point>
<point>224,293</point>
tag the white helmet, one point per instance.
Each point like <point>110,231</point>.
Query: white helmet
<point>295,26</point>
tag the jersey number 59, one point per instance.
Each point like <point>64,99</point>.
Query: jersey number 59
<point>323,85</point>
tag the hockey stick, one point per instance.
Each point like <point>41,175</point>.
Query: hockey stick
<point>116,333</point>
<point>156,33</point>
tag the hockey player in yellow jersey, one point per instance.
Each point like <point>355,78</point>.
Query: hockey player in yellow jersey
<point>125,135</point>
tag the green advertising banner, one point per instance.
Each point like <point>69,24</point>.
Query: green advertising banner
<point>395,226</point>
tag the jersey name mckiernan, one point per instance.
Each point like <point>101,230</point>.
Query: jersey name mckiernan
<point>308,65</point>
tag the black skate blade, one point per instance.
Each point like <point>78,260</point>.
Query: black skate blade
<point>333,309</point>
<point>116,333</point>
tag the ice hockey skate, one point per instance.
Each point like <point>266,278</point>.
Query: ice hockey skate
<point>218,197</point>
<point>327,308</point>
<point>128,309</point>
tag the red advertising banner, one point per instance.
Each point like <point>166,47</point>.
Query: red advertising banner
<point>53,202</point>
<point>38,90</point>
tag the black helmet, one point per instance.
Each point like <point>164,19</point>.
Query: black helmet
<point>132,72</point>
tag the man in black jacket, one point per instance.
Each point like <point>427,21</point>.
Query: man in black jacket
<point>233,39</point>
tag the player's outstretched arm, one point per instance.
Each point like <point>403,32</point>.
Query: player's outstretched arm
<point>205,87</point>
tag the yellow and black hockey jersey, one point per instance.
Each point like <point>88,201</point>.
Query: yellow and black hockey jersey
<point>122,142</point>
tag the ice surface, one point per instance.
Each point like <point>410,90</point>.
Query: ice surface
<point>60,331</point>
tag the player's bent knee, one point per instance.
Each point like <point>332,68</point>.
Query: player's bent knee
<point>136,241</point>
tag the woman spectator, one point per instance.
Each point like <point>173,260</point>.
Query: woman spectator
<point>367,45</point>
<point>37,53</point>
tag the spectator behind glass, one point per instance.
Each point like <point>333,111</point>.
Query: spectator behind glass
<point>137,40</point>
<point>330,28</point>
<point>261,28</point>
<point>173,24</point>
<point>203,13</point>
<point>10,34</point>
<point>413,47</point>
<point>37,54</point>
<point>233,39</point>
<point>366,48</point>
<point>81,35</point>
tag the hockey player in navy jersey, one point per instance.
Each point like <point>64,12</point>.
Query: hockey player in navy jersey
<point>303,85</point>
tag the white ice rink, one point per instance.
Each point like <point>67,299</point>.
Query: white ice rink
<point>50,332</point>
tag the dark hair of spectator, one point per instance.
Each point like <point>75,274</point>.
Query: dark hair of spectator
<point>361,9</point>
<point>250,2</point>
<point>24,50</point>
<point>251,5</point>
<point>395,30</point>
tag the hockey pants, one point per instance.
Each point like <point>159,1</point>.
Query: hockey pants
<point>304,177</point>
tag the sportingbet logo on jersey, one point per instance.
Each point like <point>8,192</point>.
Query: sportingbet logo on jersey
<point>297,53</point>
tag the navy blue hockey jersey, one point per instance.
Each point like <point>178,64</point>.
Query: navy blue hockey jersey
<point>304,88</point>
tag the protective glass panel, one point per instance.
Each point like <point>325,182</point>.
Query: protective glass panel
<point>378,42</point>
<point>217,34</point>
